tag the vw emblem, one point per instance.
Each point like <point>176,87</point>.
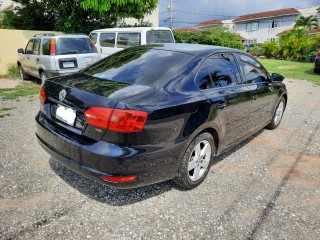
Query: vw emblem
<point>62,95</point>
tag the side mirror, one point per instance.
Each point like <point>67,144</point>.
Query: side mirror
<point>277,77</point>
<point>20,50</point>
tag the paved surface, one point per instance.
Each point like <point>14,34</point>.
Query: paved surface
<point>266,188</point>
<point>9,83</point>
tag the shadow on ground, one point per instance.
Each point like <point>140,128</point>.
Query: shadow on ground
<point>121,197</point>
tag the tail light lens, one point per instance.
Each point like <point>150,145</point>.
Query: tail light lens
<point>52,47</point>
<point>95,48</point>
<point>318,54</point>
<point>118,120</point>
<point>119,179</point>
<point>42,96</point>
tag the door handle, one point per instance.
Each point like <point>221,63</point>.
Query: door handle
<point>222,104</point>
<point>254,96</point>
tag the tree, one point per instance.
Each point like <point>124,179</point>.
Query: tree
<point>306,22</point>
<point>78,16</point>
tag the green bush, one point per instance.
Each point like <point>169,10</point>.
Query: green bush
<point>13,71</point>
<point>219,36</point>
<point>256,50</point>
<point>270,49</point>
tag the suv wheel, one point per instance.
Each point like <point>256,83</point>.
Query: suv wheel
<point>196,161</point>
<point>23,74</point>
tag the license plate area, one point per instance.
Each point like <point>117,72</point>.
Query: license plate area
<point>66,63</point>
<point>65,114</point>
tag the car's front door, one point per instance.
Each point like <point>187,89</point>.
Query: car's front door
<point>219,80</point>
<point>25,58</point>
<point>264,96</point>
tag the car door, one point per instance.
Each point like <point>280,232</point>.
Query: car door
<point>219,80</point>
<point>263,94</point>
<point>25,58</point>
<point>34,58</point>
<point>107,44</point>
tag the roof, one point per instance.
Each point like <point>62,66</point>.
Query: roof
<point>269,14</point>
<point>193,49</point>
<point>187,30</point>
<point>210,22</point>
<point>130,29</point>
<point>314,31</point>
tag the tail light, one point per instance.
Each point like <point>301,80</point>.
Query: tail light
<point>118,120</point>
<point>95,48</point>
<point>119,179</point>
<point>52,47</point>
<point>318,54</point>
<point>42,96</point>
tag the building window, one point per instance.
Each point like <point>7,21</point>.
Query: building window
<point>275,23</point>
<point>249,42</point>
<point>272,39</point>
<point>252,26</point>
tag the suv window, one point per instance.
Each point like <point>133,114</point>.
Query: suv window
<point>74,46</point>
<point>36,46</point>
<point>222,70</point>
<point>159,36</point>
<point>252,70</point>
<point>136,65</point>
<point>29,47</point>
<point>125,40</point>
<point>107,39</point>
<point>46,46</point>
<point>93,37</point>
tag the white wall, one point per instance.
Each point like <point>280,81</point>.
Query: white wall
<point>153,18</point>
<point>265,31</point>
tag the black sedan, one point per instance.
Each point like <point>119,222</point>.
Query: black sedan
<point>317,63</point>
<point>157,112</point>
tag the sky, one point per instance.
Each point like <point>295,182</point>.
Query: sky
<point>187,13</point>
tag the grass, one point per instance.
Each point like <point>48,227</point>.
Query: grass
<point>26,89</point>
<point>290,69</point>
<point>12,72</point>
<point>2,115</point>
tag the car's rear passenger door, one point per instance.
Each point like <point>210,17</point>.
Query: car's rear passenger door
<point>219,80</point>
<point>264,96</point>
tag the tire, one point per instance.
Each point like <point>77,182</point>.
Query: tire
<point>277,115</point>
<point>192,171</point>
<point>23,74</point>
<point>43,77</point>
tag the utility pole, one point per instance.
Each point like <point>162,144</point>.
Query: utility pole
<point>171,18</point>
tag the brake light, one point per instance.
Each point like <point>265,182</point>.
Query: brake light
<point>42,96</point>
<point>52,47</point>
<point>318,54</point>
<point>119,179</point>
<point>95,48</point>
<point>118,120</point>
<point>98,116</point>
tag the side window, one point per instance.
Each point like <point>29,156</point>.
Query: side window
<point>107,39</point>
<point>93,37</point>
<point>46,46</point>
<point>128,40</point>
<point>36,46</point>
<point>29,47</point>
<point>203,79</point>
<point>219,70</point>
<point>252,70</point>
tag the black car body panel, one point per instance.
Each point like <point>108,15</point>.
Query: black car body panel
<point>317,63</point>
<point>177,111</point>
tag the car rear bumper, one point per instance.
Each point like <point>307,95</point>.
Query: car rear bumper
<point>51,74</point>
<point>95,159</point>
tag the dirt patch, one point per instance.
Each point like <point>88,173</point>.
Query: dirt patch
<point>287,67</point>
<point>9,83</point>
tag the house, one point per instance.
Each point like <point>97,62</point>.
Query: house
<point>8,5</point>
<point>151,20</point>
<point>263,26</point>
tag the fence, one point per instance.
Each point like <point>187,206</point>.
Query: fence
<point>10,41</point>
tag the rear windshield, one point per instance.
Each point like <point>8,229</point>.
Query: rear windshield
<point>159,36</point>
<point>74,46</point>
<point>140,65</point>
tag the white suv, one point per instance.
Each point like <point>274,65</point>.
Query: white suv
<point>48,56</point>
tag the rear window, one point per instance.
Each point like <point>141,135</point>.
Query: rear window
<point>159,36</point>
<point>141,65</point>
<point>74,46</point>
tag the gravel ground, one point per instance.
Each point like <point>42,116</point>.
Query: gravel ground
<point>266,188</point>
